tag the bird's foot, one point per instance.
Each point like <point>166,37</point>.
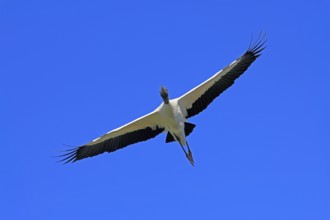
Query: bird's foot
<point>190,157</point>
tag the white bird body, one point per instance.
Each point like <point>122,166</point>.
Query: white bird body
<point>171,116</point>
<point>172,119</point>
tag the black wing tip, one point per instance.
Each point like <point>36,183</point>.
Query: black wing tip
<point>70,156</point>
<point>90,150</point>
<point>256,47</point>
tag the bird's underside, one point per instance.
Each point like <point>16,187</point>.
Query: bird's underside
<point>171,116</point>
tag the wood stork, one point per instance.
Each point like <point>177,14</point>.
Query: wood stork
<point>172,114</point>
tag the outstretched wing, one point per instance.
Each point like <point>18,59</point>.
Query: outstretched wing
<point>138,130</point>
<point>197,99</point>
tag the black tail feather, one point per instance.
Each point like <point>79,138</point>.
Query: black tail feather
<point>169,138</point>
<point>188,128</point>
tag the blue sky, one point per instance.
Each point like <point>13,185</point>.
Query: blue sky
<point>71,71</point>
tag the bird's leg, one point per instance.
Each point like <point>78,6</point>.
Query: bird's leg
<point>185,152</point>
<point>189,155</point>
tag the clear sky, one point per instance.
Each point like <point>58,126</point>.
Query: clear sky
<point>73,70</point>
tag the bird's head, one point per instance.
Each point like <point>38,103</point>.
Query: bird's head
<point>164,94</point>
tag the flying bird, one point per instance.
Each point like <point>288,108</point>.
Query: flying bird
<point>172,114</point>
